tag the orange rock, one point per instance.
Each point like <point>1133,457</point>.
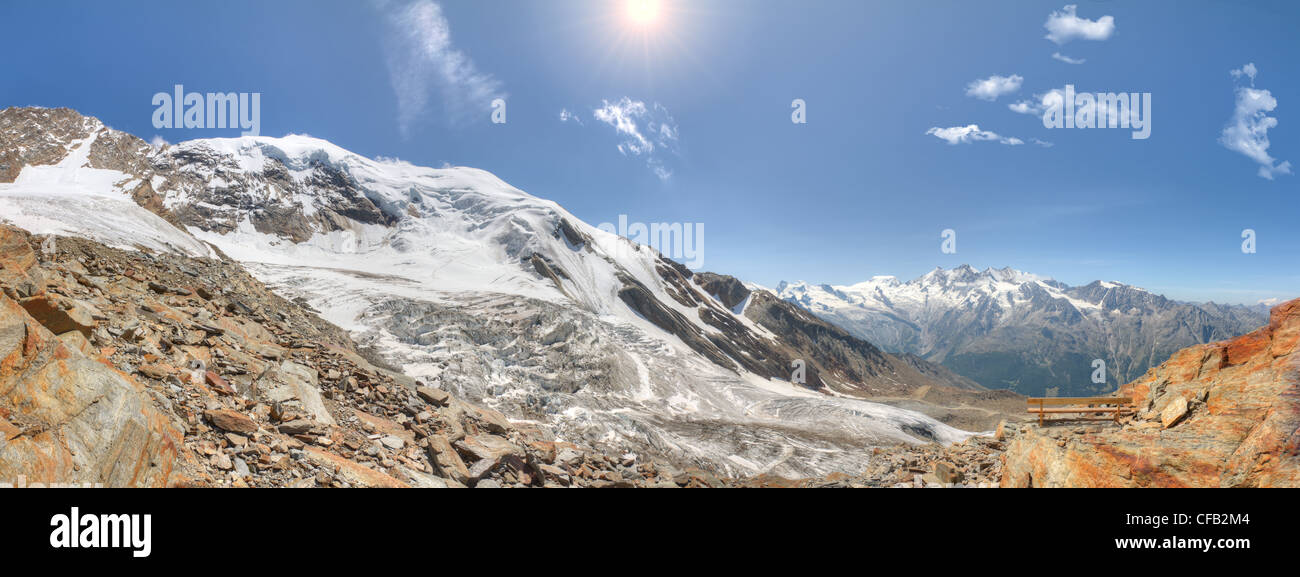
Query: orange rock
<point>87,422</point>
<point>59,316</point>
<point>355,474</point>
<point>1241,426</point>
<point>16,255</point>
<point>1243,349</point>
<point>231,421</point>
<point>218,384</point>
<point>386,427</point>
<point>157,371</point>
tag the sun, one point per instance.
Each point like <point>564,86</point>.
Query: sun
<point>643,12</point>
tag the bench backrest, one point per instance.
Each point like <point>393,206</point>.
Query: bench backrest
<point>1068,401</point>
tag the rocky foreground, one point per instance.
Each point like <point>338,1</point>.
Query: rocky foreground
<point>1225,414</point>
<point>134,369</point>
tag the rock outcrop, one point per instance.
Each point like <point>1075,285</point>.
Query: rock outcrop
<point>66,418</point>
<point>1225,414</point>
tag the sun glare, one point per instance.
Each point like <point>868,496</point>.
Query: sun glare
<point>643,12</point>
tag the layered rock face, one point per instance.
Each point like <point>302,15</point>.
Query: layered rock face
<point>65,417</point>
<point>1225,414</point>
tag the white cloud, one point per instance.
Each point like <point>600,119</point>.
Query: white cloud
<point>1248,70</point>
<point>424,65</point>
<point>1247,131</point>
<point>971,133</point>
<point>1066,25</point>
<point>1040,103</point>
<point>659,169</point>
<point>646,131</point>
<point>1023,107</point>
<point>1067,59</point>
<point>566,117</point>
<point>158,142</point>
<point>994,86</point>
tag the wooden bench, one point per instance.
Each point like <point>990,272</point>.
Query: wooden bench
<point>1116,406</point>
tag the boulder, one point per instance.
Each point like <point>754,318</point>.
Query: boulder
<point>354,474</point>
<point>487,447</point>
<point>948,473</point>
<point>60,315</point>
<point>295,387</point>
<point>82,422</point>
<point>298,427</point>
<point>437,397</point>
<point>231,421</point>
<point>446,461</point>
<point>490,420</point>
<point>1174,412</point>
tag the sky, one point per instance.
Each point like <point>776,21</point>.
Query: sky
<point>922,116</point>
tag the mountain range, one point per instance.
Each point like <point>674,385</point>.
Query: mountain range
<point>459,280</point>
<point>1008,329</point>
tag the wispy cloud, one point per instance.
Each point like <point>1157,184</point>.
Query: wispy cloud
<point>1040,103</point>
<point>1065,25</point>
<point>646,131</point>
<point>1247,131</point>
<point>971,133</point>
<point>424,65</point>
<point>1067,59</point>
<point>567,117</point>
<point>994,86</point>
<point>1248,71</point>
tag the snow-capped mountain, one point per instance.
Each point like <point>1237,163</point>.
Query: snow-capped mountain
<point>1010,329</point>
<point>477,287</point>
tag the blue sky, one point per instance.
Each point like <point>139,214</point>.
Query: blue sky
<point>860,190</point>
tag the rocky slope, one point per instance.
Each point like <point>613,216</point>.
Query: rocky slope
<point>1014,330</point>
<point>1225,414</point>
<point>123,368</point>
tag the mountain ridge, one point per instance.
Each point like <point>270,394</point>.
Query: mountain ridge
<point>990,325</point>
